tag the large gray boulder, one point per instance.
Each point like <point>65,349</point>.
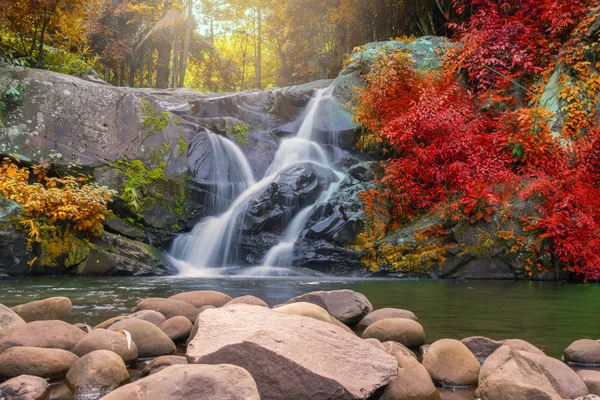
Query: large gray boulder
<point>345,305</point>
<point>184,382</point>
<point>47,334</point>
<point>53,308</point>
<point>45,363</point>
<point>294,189</point>
<point>291,356</point>
<point>25,387</point>
<point>9,321</point>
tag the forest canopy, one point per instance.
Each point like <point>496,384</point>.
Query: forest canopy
<point>214,45</point>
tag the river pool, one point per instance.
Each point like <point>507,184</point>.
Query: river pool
<point>549,315</point>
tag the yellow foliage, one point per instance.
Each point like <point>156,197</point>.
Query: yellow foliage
<point>58,212</point>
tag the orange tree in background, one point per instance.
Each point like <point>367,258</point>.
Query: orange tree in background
<point>59,213</point>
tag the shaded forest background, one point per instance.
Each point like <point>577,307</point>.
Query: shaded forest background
<point>213,45</point>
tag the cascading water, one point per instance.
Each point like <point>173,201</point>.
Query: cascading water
<point>231,173</point>
<point>210,248</point>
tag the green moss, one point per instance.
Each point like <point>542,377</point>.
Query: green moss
<point>182,146</point>
<point>154,122</point>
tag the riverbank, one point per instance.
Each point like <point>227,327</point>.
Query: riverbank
<point>500,310</point>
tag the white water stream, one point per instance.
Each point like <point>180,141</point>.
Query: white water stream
<point>209,249</point>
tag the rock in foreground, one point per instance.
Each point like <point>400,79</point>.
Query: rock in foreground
<point>48,334</point>
<point>44,363</point>
<point>150,341</point>
<point>186,382</point>
<point>25,387</point>
<point>508,375</point>
<point>96,374</point>
<point>450,362</point>
<point>9,321</point>
<point>291,356</point>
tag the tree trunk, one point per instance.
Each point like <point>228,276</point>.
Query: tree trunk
<point>258,78</point>
<point>186,46</point>
<point>150,62</point>
<point>164,56</point>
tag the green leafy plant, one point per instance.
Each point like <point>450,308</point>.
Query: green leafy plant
<point>239,133</point>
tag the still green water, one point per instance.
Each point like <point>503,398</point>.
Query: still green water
<point>549,315</point>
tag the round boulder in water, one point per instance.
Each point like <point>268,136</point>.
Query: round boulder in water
<point>150,341</point>
<point>184,382</point>
<point>402,330</point>
<point>413,380</point>
<point>450,362</point>
<point>384,313</point>
<point>54,308</point>
<point>151,316</point>
<point>96,374</point>
<point>345,305</point>
<point>48,334</point>
<point>160,363</point>
<point>45,363</point>
<point>481,347</point>
<point>169,307</point>
<point>25,387</point>
<point>103,339</point>
<point>306,310</point>
<point>177,328</point>
<point>251,300</point>
<point>584,351</point>
<point>203,298</point>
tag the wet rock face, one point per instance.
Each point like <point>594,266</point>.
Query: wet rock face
<point>294,189</point>
<point>13,256</point>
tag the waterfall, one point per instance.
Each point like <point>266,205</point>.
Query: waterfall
<point>231,173</point>
<point>210,247</point>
